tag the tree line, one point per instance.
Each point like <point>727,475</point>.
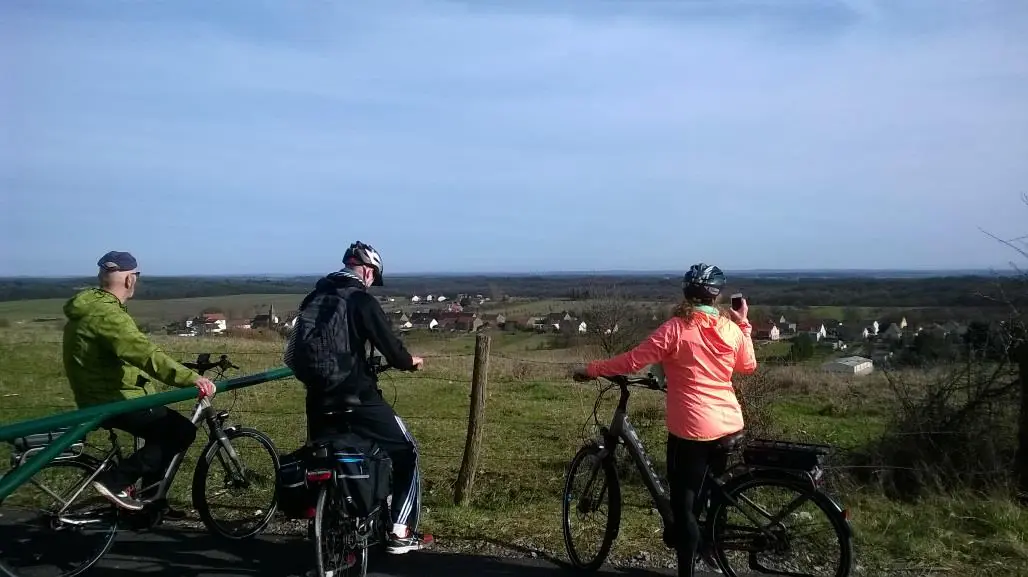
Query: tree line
<point>951,291</point>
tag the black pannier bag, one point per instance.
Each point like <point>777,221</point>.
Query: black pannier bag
<point>363,472</point>
<point>295,499</point>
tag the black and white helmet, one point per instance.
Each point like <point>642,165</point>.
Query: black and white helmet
<point>365,254</point>
<point>703,281</point>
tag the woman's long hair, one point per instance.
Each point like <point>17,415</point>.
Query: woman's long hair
<point>687,308</point>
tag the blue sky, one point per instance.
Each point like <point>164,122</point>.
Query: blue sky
<point>246,136</point>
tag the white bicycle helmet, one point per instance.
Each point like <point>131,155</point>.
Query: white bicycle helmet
<point>365,254</point>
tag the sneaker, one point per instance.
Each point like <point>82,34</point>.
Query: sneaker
<point>412,542</point>
<point>123,498</point>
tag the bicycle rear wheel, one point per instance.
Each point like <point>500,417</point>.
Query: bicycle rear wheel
<point>599,487</point>
<point>37,539</point>
<point>334,539</point>
<point>246,483</point>
<point>790,511</point>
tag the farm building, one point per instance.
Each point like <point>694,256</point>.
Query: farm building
<point>849,366</point>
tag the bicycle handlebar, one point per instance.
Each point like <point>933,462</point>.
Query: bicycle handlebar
<point>649,381</point>
<point>203,363</point>
<point>377,365</point>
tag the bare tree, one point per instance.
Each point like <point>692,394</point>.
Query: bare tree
<point>616,322</point>
<point>1012,293</point>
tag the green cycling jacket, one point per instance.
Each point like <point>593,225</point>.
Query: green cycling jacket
<point>107,358</point>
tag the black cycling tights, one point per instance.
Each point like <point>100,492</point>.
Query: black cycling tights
<point>687,464</point>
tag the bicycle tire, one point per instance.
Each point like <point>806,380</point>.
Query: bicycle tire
<point>87,465</point>
<point>326,506</point>
<point>823,502</point>
<point>613,526</point>
<point>202,473</point>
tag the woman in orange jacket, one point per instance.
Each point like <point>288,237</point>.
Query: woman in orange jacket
<point>700,349</point>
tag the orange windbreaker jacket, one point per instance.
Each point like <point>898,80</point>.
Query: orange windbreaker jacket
<point>698,358</point>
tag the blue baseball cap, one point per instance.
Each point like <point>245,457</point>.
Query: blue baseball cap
<point>117,261</point>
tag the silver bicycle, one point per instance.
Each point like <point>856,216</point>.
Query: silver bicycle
<point>57,525</point>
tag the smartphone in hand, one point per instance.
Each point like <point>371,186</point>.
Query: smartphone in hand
<point>737,301</point>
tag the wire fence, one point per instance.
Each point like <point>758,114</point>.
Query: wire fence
<point>535,411</point>
<point>538,430</point>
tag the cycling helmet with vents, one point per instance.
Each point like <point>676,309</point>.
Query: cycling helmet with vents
<point>703,282</point>
<point>364,254</point>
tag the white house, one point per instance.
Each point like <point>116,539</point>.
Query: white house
<point>818,332</point>
<point>441,298</point>
<point>582,328</point>
<point>433,324</point>
<point>773,333</point>
<point>849,366</point>
<point>209,323</point>
<point>415,299</point>
<point>430,298</point>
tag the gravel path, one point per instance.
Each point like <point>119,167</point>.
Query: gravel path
<point>174,553</point>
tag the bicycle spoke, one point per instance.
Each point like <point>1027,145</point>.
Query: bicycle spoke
<point>56,525</point>
<point>773,546</point>
<point>235,495</point>
<point>591,511</point>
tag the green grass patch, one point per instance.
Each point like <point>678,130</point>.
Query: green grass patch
<point>536,419</point>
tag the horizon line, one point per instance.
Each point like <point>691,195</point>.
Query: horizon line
<point>608,272</point>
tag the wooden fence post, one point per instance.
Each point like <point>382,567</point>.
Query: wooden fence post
<point>476,418</point>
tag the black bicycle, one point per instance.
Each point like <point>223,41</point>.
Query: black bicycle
<point>353,486</point>
<point>64,527</point>
<point>739,534</point>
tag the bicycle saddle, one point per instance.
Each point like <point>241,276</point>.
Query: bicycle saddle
<point>732,442</point>
<point>348,402</point>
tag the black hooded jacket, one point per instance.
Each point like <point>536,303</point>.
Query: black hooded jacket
<point>367,324</point>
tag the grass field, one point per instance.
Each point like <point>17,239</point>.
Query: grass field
<point>536,419</point>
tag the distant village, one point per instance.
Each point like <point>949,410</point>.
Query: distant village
<point>429,312</point>
<point>878,340</point>
<point>879,344</point>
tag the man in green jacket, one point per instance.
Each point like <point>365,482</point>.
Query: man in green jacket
<point>107,358</point>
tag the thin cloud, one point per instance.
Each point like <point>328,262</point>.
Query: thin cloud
<point>527,127</point>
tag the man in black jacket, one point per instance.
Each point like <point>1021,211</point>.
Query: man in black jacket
<point>328,352</point>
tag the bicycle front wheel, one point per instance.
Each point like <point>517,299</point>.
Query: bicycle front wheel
<point>591,503</point>
<point>234,490</point>
<point>51,528</point>
<point>780,526</point>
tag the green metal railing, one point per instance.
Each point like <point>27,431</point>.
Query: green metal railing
<point>82,421</point>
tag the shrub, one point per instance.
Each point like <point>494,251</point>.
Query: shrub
<point>954,429</point>
<point>756,394</point>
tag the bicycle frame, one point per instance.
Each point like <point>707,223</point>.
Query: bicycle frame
<point>203,412</point>
<point>80,422</point>
<point>621,430</point>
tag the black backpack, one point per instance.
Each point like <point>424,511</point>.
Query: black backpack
<point>318,350</point>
